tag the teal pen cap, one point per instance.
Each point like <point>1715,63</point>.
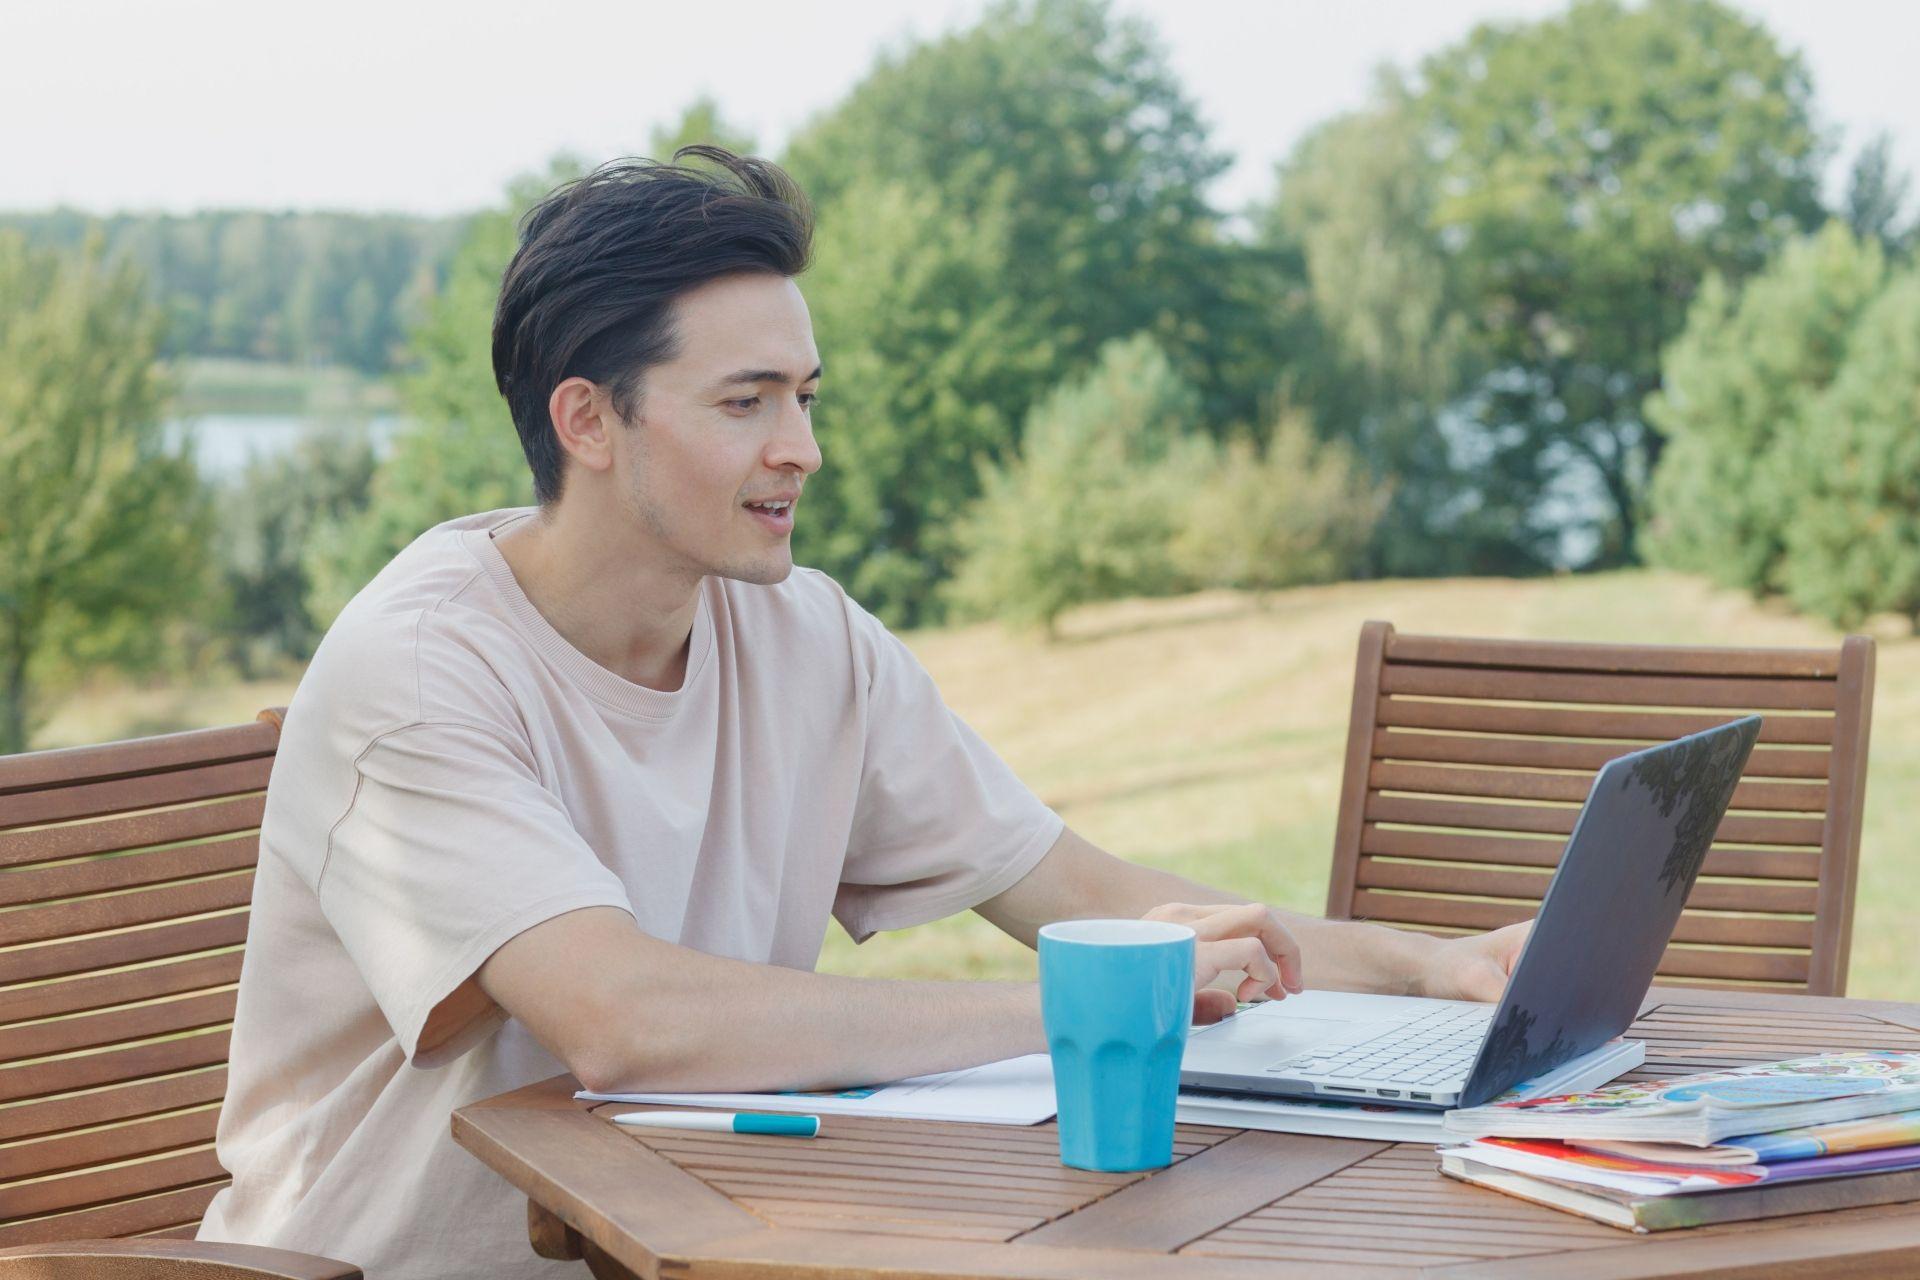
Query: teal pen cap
<point>783,1126</point>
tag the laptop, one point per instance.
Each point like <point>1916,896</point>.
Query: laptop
<point>1606,918</point>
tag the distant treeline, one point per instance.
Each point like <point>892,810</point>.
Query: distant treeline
<point>303,288</point>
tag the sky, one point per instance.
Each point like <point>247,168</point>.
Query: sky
<point>432,106</point>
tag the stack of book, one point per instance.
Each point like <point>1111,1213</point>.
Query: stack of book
<point>1826,1132</point>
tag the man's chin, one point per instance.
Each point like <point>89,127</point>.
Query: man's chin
<point>766,571</point>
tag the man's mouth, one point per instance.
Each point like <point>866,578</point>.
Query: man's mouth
<point>775,513</point>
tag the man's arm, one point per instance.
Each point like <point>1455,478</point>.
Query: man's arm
<point>626,1012</point>
<point>1078,879</point>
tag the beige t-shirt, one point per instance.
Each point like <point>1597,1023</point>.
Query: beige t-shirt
<point>453,772</point>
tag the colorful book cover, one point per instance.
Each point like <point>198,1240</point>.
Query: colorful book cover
<point>1565,1163</point>
<point>1900,1129</point>
<point>1707,1108</point>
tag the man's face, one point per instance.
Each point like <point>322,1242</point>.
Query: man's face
<point>723,432</point>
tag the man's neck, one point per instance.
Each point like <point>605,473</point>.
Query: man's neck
<point>609,599</point>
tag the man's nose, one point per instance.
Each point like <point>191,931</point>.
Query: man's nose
<point>793,445</point>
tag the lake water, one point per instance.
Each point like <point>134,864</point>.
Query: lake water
<point>223,443</point>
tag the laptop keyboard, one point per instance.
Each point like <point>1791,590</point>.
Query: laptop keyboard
<point>1431,1049</point>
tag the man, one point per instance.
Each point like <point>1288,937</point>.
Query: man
<point>575,788</point>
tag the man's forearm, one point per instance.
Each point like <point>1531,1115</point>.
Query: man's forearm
<point>1337,955</point>
<point>652,1016</point>
<point>726,1030</point>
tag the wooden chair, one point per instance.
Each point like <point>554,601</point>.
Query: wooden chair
<point>125,876</point>
<point>1467,761</point>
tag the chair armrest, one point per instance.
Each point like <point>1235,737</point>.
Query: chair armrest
<point>135,1258</point>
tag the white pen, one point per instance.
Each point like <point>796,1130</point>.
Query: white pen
<point>723,1122</point>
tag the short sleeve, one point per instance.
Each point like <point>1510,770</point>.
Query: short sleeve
<point>940,823</point>
<point>451,846</point>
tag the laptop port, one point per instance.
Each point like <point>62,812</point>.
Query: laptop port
<point>1341,1088</point>
<point>1388,1093</point>
<point>1421,1097</point>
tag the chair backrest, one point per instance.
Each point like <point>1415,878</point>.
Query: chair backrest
<point>125,875</point>
<point>1467,762</point>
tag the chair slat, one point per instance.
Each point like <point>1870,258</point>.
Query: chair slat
<point>1579,722</point>
<point>121,910</point>
<point>1487,882</point>
<point>1554,655</point>
<point>98,799</point>
<point>1539,753</point>
<point>78,995</point>
<point>1511,784</point>
<point>46,884</point>
<point>38,770</point>
<point>112,1026</point>
<point>1446,846</point>
<point>58,959</point>
<point>81,1190</point>
<point>1503,685</point>
<point>63,1074</point>
<point>1416,811</point>
<point>110,835</point>
<point>104,1106</point>
<point>122,1142</point>
<point>126,875</point>
<point>126,1218</point>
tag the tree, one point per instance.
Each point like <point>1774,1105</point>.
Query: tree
<point>1382,352</point>
<point>1853,545</point>
<point>1088,509</point>
<point>268,519</point>
<point>460,453</point>
<point>103,534</point>
<point>1738,386</point>
<point>921,343</point>
<point>1593,169</point>
<point>1877,196</point>
<point>1301,511</point>
<point>1068,124</point>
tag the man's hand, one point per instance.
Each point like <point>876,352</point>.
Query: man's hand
<point>1247,939</point>
<point>1475,968</point>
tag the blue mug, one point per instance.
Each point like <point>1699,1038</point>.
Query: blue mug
<point>1116,997</point>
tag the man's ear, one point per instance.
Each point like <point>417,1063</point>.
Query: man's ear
<point>583,417</point>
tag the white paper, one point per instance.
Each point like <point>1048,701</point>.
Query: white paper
<point>1013,1091</point>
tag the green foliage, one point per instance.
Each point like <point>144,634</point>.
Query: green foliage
<point>103,534</point>
<point>1593,168</point>
<point>1382,351</point>
<point>268,519</point>
<point>1877,195</point>
<point>461,453</point>
<point>1853,545</point>
<point>1067,124</point>
<point>1739,383</point>
<point>1301,512</point>
<point>1089,508</point>
<point>298,287</point>
<point>922,347</point>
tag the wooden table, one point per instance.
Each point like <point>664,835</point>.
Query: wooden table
<point>898,1198</point>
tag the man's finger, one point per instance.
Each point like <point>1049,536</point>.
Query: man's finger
<point>1210,1004</point>
<point>1253,920</point>
<point>1248,955</point>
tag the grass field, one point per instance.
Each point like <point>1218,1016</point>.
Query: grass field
<point>1205,736</point>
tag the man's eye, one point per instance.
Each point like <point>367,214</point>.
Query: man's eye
<point>745,404</point>
<point>808,399</point>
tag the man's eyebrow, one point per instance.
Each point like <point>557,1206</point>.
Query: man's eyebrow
<point>763,375</point>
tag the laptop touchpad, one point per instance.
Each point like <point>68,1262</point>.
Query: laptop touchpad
<point>1285,1037</point>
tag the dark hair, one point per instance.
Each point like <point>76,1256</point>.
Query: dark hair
<point>590,290</point>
